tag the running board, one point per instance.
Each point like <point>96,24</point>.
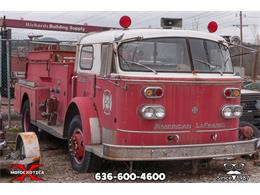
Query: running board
<point>55,130</point>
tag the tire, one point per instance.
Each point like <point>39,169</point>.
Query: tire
<point>26,119</point>
<point>81,160</point>
<point>255,129</point>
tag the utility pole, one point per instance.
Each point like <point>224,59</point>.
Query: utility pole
<point>240,26</point>
<point>241,39</point>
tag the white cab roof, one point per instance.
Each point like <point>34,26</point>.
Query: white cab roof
<point>109,36</point>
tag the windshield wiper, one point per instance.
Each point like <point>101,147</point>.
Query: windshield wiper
<point>226,61</point>
<point>211,66</point>
<point>136,63</point>
<point>142,65</point>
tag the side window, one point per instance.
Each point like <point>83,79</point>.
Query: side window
<point>86,58</point>
<point>107,62</point>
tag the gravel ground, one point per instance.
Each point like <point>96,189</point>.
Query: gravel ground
<point>57,167</point>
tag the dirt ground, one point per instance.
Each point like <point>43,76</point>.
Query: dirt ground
<point>54,157</point>
<point>57,167</point>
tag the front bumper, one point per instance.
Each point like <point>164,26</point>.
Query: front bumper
<point>177,152</point>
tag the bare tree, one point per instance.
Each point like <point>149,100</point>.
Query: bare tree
<point>195,23</point>
<point>254,30</point>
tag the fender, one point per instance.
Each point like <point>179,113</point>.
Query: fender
<point>89,117</point>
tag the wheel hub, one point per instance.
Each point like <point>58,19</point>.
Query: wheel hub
<point>77,146</point>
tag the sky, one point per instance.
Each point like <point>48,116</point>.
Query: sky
<point>192,20</point>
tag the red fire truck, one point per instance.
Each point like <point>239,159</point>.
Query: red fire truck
<point>137,95</point>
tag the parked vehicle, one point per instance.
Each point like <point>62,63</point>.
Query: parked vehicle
<point>250,101</point>
<point>137,95</point>
<point>252,86</point>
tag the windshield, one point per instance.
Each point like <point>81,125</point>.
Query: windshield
<point>164,54</point>
<point>210,56</point>
<point>171,55</point>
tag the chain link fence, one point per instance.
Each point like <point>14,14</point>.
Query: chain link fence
<point>17,52</point>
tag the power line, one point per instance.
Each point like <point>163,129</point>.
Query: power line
<point>212,15</point>
<point>91,16</point>
<point>218,17</point>
<point>152,16</point>
<point>198,15</point>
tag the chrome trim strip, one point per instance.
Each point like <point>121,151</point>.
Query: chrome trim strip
<point>180,131</point>
<point>220,130</point>
<point>95,130</point>
<point>27,83</point>
<point>149,132</point>
<point>192,82</point>
<point>174,81</point>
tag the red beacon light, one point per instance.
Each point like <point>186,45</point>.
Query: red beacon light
<point>125,22</point>
<point>212,26</point>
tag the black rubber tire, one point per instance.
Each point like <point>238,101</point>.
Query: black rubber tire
<point>31,127</point>
<point>90,162</point>
<point>256,130</point>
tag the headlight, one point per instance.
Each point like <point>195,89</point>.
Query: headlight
<point>159,112</point>
<point>148,112</point>
<point>227,112</point>
<point>238,111</point>
<point>232,111</point>
<point>152,112</point>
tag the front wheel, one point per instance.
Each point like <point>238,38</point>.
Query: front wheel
<point>26,118</point>
<point>81,160</point>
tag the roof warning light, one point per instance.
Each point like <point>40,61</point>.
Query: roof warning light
<point>212,26</point>
<point>125,21</point>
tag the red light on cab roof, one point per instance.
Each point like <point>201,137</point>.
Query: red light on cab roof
<point>212,26</point>
<point>125,21</point>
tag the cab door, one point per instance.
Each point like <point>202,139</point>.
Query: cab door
<point>88,64</point>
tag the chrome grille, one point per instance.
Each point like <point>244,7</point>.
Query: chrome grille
<point>248,101</point>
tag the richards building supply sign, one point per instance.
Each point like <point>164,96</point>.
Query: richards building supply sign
<point>13,23</point>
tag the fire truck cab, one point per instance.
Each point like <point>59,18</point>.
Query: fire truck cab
<point>137,95</point>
